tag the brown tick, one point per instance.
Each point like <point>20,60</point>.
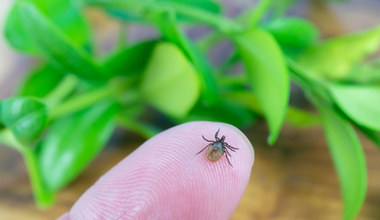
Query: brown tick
<point>217,148</point>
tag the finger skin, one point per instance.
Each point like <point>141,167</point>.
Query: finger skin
<point>164,179</point>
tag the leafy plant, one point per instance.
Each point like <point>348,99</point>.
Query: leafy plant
<point>65,109</point>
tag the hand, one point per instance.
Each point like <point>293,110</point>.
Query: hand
<point>164,179</point>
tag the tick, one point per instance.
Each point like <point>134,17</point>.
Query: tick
<point>217,148</point>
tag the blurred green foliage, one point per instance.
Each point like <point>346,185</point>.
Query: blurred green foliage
<point>66,108</point>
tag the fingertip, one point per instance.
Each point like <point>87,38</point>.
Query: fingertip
<point>164,177</point>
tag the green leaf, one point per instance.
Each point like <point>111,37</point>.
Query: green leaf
<point>73,142</point>
<point>365,73</point>
<point>334,58</point>
<point>171,31</point>
<point>65,14</point>
<point>265,65</point>
<point>294,116</point>
<point>293,33</point>
<point>25,117</point>
<point>170,82</point>
<point>41,81</point>
<point>140,10</point>
<point>349,161</point>
<point>205,5</point>
<point>128,61</point>
<point>361,103</point>
<point>56,46</point>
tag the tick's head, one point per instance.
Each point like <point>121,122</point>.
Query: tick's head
<point>222,139</point>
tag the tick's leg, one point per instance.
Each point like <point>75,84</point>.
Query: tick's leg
<point>216,134</point>
<point>227,152</point>
<point>202,150</point>
<point>206,139</point>
<point>226,146</point>
<point>228,159</point>
<point>230,147</point>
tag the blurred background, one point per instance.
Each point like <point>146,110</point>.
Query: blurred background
<point>295,179</point>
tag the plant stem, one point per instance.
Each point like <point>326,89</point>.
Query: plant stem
<point>145,130</point>
<point>221,23</point>
<point>122,37</point>
<point>252,17</point>
<point>208,41</point>
<point>258,12</point>
<point>280,7</point>
<point>114,89</point>
<point>42,197</point>
<point>62,90</point>
<point>8,139</point>
<point>81,101</point>
<point>303,79</point>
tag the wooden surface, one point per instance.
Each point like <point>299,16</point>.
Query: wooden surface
<point>295,179</point>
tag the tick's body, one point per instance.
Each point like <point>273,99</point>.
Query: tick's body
<point>217,148</point>
<point>214,151</point>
